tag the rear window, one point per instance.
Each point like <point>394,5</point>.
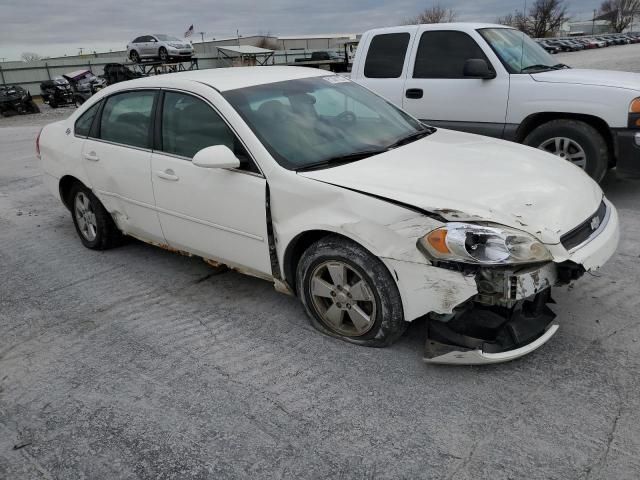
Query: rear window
<point>386,55</point>
<point>83,124</point>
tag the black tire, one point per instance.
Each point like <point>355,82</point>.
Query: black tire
<point>134,56</point>
<point>387,325</point>
<point>53,103</point>
<point>163,54</point>
<point>107,234</point>
<point>33,107</point>
<point>586,136</point>
<point>78,100</point>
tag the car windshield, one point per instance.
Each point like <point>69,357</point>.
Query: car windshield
<point>517,51</point>
<point>322,121</point>
<point>167,38</point>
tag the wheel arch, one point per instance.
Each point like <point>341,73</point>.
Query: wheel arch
<point>533,121</point>
<point>65,185</point>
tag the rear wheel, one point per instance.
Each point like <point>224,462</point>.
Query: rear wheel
<point>348,293</point>
<point>574,141</point>
<point>93,223</point>
<point>162,53</point>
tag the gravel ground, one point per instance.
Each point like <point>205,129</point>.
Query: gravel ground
<point>624,57</point>
<point>139,363</point>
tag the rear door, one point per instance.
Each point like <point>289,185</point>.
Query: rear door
<point>386,64</point>
<point>437,92</point>
<point>117,160</point>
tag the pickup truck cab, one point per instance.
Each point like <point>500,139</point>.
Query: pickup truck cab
<point>494,80</point>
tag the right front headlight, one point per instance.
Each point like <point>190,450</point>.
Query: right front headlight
<point>479,244</point>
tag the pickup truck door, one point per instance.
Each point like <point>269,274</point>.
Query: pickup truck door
<point>386,64</point>
<point>437,92</point>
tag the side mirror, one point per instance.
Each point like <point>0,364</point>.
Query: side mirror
<point>478,68</point>
<point>217,156</point>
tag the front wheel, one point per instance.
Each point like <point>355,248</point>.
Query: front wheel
<point>574,141</point>
<point>164,56</point>
<point>93,223</point>
<point>134,56</point>
<point>348,293</point>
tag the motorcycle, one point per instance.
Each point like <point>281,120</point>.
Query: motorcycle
<point>15,100</point>
<point>56,92</point>
<point>84,84</point>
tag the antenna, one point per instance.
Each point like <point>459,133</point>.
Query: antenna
<point>524,14</point>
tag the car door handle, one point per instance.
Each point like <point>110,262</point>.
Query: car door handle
<point>91,156</point>
<point>414,93</point>
<point>167,175</point>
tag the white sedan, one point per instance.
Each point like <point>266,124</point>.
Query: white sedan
<point>316,184</point>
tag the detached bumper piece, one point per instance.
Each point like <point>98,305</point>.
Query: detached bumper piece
<point>483,335</point>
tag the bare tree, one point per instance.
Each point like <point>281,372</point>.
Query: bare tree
<point>619,13</point>
<point>435,14</point>
<point>267,41</point>
<point>516,20</point>
<point>547,16</point>
<point>30,57</point>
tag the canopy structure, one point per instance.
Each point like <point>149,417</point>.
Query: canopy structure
<point>246,55</point>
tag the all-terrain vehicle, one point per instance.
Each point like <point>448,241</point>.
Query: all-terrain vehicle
<point>15,100</point>
<point>56,92</point>
<point>84,84</point>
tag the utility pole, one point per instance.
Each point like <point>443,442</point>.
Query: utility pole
<point>593,25</point>
<point>238,35</point>
<point>202,36</point>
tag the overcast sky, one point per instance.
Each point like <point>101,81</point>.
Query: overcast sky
<point>55,28</point>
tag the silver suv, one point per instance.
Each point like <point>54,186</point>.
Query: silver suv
<point>159,46</point>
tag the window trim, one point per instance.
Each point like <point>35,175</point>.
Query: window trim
<point>95,126</point>
<point>157,133</point>
<point>404,60</point>
<point>462,77</point>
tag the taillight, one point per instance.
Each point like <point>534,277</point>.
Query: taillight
<point>38,144</point>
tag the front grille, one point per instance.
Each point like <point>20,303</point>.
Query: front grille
<point>585,230</point>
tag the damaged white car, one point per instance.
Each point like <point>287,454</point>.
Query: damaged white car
<point>315,183</point>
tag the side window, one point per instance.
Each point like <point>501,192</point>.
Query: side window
<point>83,124</point>
<point>189,125</point>
<point>386,55</point>
<point>442,54</point>
<point>138,40</point>
<point>126,118</point>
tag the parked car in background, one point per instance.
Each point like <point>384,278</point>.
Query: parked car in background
<point>57,92</point>
<point>84,84</point>
<point>312,182</point>
<point>15,100</point>
<point>159,47</point>
<point>549,47</point>
<point>117,72</point>
<point>494,80</point>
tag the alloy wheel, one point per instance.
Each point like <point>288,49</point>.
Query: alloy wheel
<point>567,149</point>
<point>86,217</point>
<point>342,298</point>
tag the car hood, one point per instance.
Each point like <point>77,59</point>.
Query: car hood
<point>464,177</point>
<point>603,78</point>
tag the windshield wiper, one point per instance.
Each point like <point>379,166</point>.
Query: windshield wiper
<point>560,66</point>
<point>340,160</point>
<point>412,137</point>
<point>537,67</point>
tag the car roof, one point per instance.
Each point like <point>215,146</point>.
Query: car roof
<point>230,78</point>
<point>461,26</point>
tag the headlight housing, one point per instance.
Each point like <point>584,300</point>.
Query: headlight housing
<point>480,244</point>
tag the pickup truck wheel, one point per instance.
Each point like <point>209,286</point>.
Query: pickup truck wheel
<point>348,293</point>
<point>575,141</point>
<point>93,223</point>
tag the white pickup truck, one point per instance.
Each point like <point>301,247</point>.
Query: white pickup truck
<point>494,80</point>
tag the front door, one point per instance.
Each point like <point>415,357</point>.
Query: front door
<point>215,213</point>
<point>117,159</point>
<point>437,92</point>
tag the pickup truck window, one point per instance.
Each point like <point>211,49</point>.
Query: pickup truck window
<point>386,55</point>
<point>517,52</point>
<point>321,120</point>
<point>442,54</point>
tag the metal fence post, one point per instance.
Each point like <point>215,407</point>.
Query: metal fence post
<point>2,75</point>
<point>46,65</point>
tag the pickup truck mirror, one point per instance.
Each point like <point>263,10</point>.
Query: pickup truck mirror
<point>478,68</point>
<point>216,156</point>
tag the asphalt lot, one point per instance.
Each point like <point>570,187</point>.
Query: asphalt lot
<point>139,363</point>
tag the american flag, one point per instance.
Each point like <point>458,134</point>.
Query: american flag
<point>189,32</point>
